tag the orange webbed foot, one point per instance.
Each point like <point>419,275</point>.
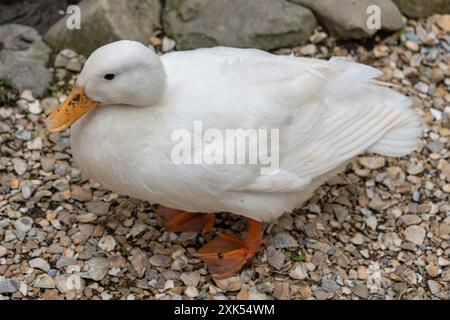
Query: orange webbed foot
<point>181,221</point>
<point>225,255</point>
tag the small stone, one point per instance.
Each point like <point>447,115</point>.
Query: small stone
<point>167,44</point>
<point>341,213</point>
<point>80,194</point>
<point>432,270</point>
<point>191,292</point>
<point>35,107</point>
<point>410,219</point>
<point>421,87</point>
<point>437,75</point>
<point>107,243</point>
<point>96,268</point>
<point>298,271</point>
<point>372,162</point>
<point>190,279</point>
<point>446,188</point>
<point>284,240</point>
<point>39,263</point>
<point>229,284</point>
<point>411,45</point>
<point>308,50</point>
<point>20,166</point>
<point>98,208</point>
<point>64,261</point>
<point>23,224</point>
<point>8,285</point>
<point>281,291</point>
<point>159,260</point>
<point>3,251</point>
<point>254,294</point>
<point>61,61</point>
<point>415,234</point>
<point>275,258</point>
<point>35,144</point>
<point>357,239</point>
<point>44,281</point>
<point>61,185</point>
<point>74,65</point>
<point>329,285</point>
<point>372,222</point>
<point>68,282</point>
<point>434,286</point>
<point>48,104</point>
<point>27,95</point>
<point>362,273</point>
<point>436,146</point>
<point>24,135</point>
<point>47,164</point>
<point>361,291</point>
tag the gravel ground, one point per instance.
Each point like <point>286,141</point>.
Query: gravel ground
<point>379,231</point>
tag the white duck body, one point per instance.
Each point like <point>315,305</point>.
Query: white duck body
<point>327,112</point>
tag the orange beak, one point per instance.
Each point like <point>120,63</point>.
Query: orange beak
<point>76,104</point>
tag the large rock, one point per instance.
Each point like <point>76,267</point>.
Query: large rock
<point>423,8</point>
<point>23,59</point>
<point>39,14</point>
<point>105,21</point>
<point>265,24</point>
<point>347,19</point>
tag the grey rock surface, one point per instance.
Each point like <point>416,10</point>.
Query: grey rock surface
<point>23,59</point>
<point>347,19</point>
<point>104,21</point>
<point>264,24</point>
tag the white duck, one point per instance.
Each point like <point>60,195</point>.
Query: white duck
<point>128,101</point>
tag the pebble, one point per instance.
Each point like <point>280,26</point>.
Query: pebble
<point>20,166</point>
<point>167,44</point>
<point>190,279</point>
<point>229,284</point>
<point>96,268</point>
<point>410,219</point>
<point>68,282</point>
<point>361,291</point>
<point>34,107</point>
<point>191,292</point>
<point>44,281</point>
<point>298,271</point>
<point>341,213</point>
<point>357,239</point>
<point>372,162</point>
<point>275,258</point>
<point>74,65</point>
<point>434,286</point>
<point>411,45</point>
<point>23,224</point>
<point>39,263</point>
<point>8,285</point>
<point>107,243</point>
<point>159,260</point>
<point>415,234</point>
<point>80,194</point>
<point>47,163</point>
<point>3,251</point>
<point>421,87</point>
<point>308,50</point>
<point>284,240</point>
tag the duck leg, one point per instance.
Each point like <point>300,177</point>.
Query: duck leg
<point>181,221</point>
<point>226,254</point>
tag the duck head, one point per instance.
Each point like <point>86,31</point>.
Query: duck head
<point>120,73</point>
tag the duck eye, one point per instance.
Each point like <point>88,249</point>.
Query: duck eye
<point>109,76</point>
